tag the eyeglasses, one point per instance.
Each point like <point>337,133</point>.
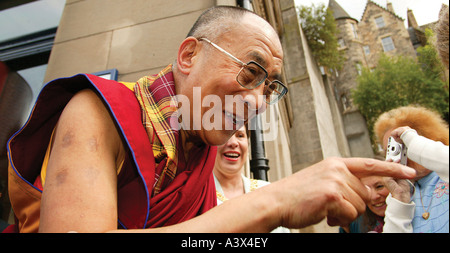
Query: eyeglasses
<point>252,74</point>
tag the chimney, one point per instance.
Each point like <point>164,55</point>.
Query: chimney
<point>390,7</point>
<point>411,19</point>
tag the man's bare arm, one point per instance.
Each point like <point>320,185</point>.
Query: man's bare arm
<point>80,191</point>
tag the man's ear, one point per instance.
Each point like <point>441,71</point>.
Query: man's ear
<point>187,54</point>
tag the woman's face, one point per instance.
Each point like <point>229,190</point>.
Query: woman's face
<point>232,155</point>
<point>379,194</point>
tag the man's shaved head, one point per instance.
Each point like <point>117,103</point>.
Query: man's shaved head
<point>216,21</point>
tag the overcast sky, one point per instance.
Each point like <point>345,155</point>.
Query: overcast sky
<point>425,11</point>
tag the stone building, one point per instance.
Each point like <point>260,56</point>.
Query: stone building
<point>417,33</point>
<point>380,31</point>
<point>383,32</point>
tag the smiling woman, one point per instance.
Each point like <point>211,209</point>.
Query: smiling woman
<point>229,180</point>
<point>229,162</point>
<point>373,219</point>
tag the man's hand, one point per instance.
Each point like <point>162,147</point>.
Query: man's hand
<point>331,189</point>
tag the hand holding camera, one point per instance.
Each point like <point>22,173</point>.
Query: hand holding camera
<point>396,152</point>
<point>400,189</point>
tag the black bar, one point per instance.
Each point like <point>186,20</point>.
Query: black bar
<point>259,164</point>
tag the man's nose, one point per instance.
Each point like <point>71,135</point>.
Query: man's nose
<point>255,101</point>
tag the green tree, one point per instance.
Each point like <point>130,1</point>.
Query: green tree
<point>320,30</point>
<point>429,59</point>
<point>398,81</point>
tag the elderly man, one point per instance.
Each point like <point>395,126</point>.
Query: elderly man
<point>99,156</point>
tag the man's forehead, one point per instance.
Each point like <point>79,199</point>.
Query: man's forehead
<point>252,23</point>
<point>256,56</point>
<point>259,42</point>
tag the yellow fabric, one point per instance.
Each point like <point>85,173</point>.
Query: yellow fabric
<point>129,85</point>
<point>157,104</point>
<point>46,158</point>
<point>26,206</point>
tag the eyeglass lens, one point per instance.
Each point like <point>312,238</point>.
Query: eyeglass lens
<point>252,75</point>
<point>274,91</point>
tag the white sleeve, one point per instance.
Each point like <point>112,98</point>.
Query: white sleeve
<point>398,216</point>
<point>433,155</point>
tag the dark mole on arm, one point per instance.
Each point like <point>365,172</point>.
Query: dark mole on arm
<point>61,177</point>
<point>67,139</point>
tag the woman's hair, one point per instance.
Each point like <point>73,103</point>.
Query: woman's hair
<point>426,122</point>
<point>217,20</point>
<point>441,31</point>
<point>369,221</point>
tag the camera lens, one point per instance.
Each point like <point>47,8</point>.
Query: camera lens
<point>395,149</point>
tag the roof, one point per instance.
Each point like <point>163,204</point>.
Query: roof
<point>385,9</point>
<point>338,11</point>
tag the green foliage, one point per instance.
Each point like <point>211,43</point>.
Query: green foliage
<point>320,30</point>
<point>429,58</point>
<point>398,81</point>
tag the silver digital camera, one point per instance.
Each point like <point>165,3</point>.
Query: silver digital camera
<point>396,151</point>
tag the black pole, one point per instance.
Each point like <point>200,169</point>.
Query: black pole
<point>259,164</point>
<point>247,4</point>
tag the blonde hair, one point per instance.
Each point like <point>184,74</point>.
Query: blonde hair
<point>426,122</point>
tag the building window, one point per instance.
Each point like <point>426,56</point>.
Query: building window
<point>359,68</point>
<point>355,32</point>
<point>345,102</point>
<point>388,44</point>
<point>27,38</point>
<point>341,43</point>
<point>322,70</point>
<point>110,74</point>
<point>380,22</point>
<point>366,50</point>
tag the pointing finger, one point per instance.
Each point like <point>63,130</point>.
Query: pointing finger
<point>363,167</point>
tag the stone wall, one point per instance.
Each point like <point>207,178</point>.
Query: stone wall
<point>355,127</point>
<point>138,39</point>
<point>313,135</point>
